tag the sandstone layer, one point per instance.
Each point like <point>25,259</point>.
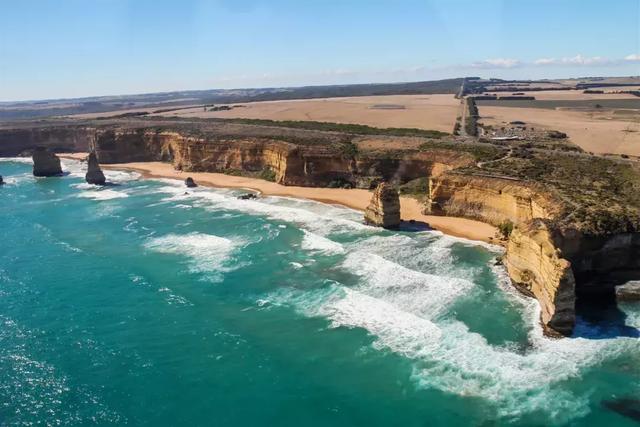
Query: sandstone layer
<point>555,264</point>
<point>536,267</point>
<point>384,209</point>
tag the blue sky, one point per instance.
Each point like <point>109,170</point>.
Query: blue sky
<point>73,48</point>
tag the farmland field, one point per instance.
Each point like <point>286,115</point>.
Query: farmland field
<point>552,104</point>
<point>432,112</point>
<point>604,130</point>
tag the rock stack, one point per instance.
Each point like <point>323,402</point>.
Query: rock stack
<point>189,182</point>
<point>628,292</point>
<point>45,163</point>
<point>384,209</point>
<point>94,173</point>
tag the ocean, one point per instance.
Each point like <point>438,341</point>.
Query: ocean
<point>146,304</point>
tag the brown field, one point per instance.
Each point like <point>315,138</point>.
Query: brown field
<point>607,131</point>
<point>432,112</point>
<point>559,95</point>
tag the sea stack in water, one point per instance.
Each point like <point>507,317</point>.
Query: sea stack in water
<point>628,292</point>
<point>189,182</point>
<point>384,209</point>
<point>94,173</point>
<point>45,163</point>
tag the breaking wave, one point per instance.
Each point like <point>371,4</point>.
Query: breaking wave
<point>206,253</point>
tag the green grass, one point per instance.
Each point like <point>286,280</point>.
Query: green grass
<point>599,195</point>
<point>482,152</point>
<point>341,127</point>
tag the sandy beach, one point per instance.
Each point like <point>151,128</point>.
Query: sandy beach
<point>353,198</point>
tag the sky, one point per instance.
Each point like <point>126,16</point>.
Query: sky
<point>76,48</point>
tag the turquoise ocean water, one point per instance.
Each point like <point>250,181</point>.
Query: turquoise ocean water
<point>138,304</point>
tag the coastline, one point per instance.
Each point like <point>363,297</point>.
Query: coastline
<point>357,199</point>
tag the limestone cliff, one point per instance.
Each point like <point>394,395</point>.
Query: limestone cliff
<point>291,164</point>
<point>384,209</point>
<point>555,264</point>
<point>536,266</point>
<point>20,141</point>
<point>489,199</point>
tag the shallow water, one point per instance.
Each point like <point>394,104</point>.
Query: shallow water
<point>140,304</point>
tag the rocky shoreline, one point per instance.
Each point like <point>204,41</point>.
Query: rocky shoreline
<point>554,259</point>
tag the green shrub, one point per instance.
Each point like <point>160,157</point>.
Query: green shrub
<point>417,188</point>
<point>267,174</point>
<point>506,228</point>
<point>348,149</point>
<point>340,183</point>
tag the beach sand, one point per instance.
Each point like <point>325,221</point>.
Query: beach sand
<point>353,198</point>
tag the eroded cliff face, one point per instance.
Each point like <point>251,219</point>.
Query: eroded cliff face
<point>556,265</point>
<point>292,164</point>
<point>536,267</point>
<point>15,142</point>
<point>491,200</point>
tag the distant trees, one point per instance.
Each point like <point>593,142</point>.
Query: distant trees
<point>471,125</point>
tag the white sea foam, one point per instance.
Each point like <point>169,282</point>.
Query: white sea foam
<point>316,243</point>
<point>317,217</point>
<point>119,177</point>
<point>449,357</point>
<point>408,313</point>
<point>26,160</point>
<point>103,194</point>
<point>207,253</point>
<point>78,169</point>
<point>174,299</point>
<point>416,292</point>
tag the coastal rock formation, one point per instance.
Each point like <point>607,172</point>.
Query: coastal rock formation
<point>628,292</point>
<point>536,267</point>
<point>46,163</point>
<point>555,264</point>
<point>384,209</point>
<point>247,196</point>
<point>312,165</point>
<point>64,138</point>
<point>189,182</point>
<point>562,247</point>
<point>488,199</point>
<point>94,173</point>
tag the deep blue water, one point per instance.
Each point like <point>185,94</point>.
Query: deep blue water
<point>139,304</point>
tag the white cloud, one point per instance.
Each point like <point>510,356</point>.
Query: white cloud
<point>634,57</point>
<point>578,60</point>
<point>545,61</point>
<point>497,63</point>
